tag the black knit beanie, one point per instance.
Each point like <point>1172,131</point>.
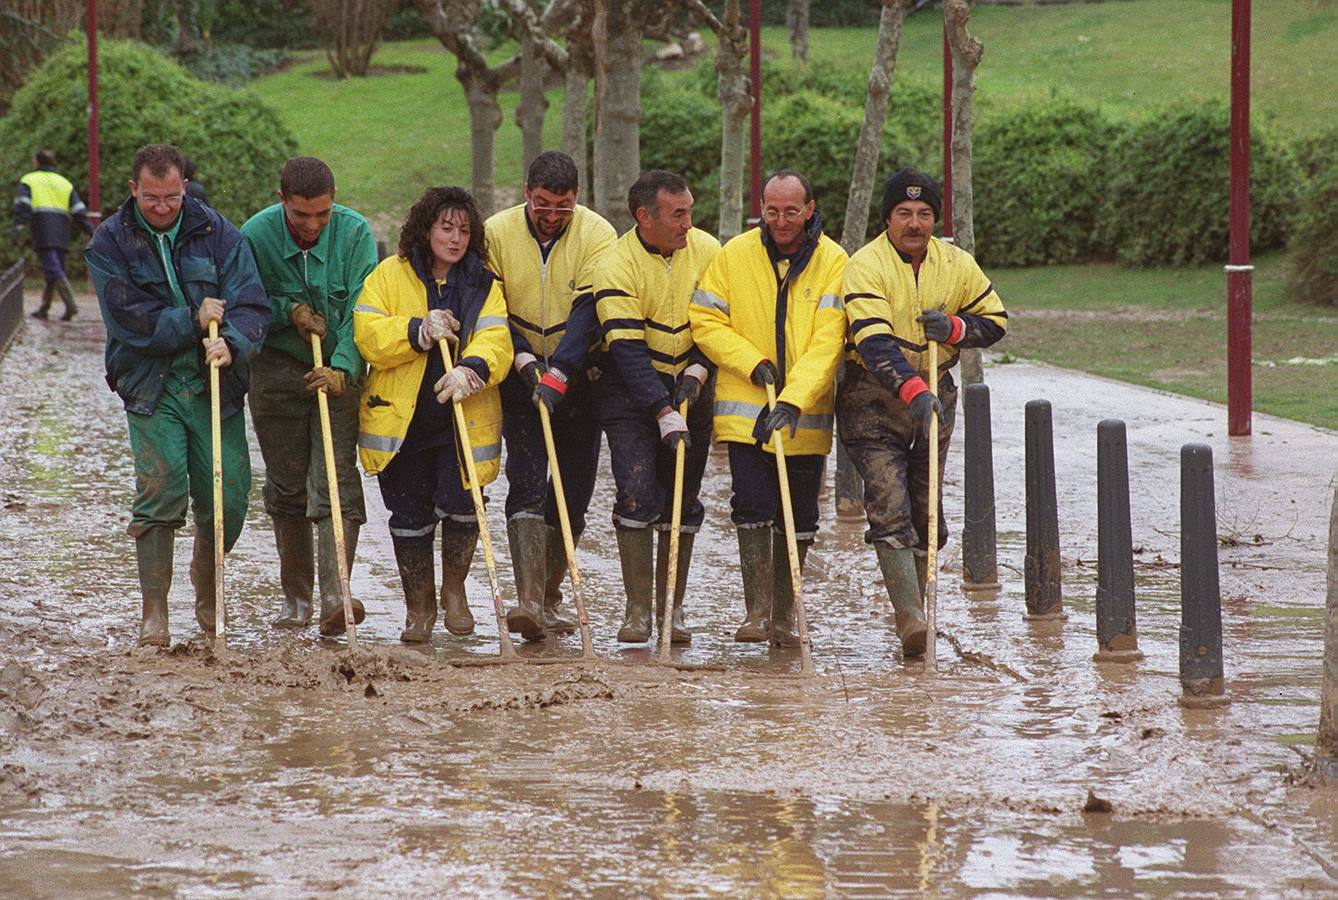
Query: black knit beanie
<point>910,184</point>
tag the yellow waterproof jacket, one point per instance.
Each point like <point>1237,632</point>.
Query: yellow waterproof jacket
<point>550,299</point>
<point>883,297</point>
<point>750,306</point>
<point>393,299</point>
<point>642,299</point>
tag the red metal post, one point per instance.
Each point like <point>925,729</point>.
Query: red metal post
<point>1239,270</point>
<point>755,141</point>
<point>94,154</point>
<point>947,136</point>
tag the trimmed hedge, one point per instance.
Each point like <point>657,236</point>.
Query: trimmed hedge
<point>1312,258</point>
<point>236,140</point>
<point>1167,188</point>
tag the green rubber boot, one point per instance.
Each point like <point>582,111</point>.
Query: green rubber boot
<point>903,589</point>
<point>47,293</point>
<point>755,566</point>
<point>526,536</point>
<point>783,622</point>
<point>420,591</point>
<point>202,577</point>
<point>297,572</point>
<point>153,553</point>
<point>678,633</point>
<point>457,552</point>
<point>332,602</point>
<point>67,295</point>
<point>555,554</point>
<point>636,552</point>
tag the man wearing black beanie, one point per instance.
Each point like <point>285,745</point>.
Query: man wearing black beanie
<point>902,290</point>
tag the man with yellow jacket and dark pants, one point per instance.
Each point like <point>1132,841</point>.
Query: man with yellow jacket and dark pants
<point>642,294</point>
<point>545,251</point>
<point>902,290</point>
<point>768,310</point>
<point>435,288</point>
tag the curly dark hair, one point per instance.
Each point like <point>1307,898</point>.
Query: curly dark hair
<point>414,234</point>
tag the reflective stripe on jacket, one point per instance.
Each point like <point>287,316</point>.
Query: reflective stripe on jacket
<point>328,278</point>
<point>884,296</point>
<point>750,307</point>
<point>46,201</point>
<point>391,296</point>
<point>550,302</point>
<point>642,299</point>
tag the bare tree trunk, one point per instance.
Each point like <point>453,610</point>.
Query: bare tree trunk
<point>485,117</point>
<point>617,106</point>
<point>871,131</point>
<point>967,51</point>
<point>736,103</point>
<point>188,40</point>
<point>533,104</point>
<point>349,29</point>
<point>575,106</point>
<point>797,20</point>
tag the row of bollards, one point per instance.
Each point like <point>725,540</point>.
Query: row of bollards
<point>1201,671</point>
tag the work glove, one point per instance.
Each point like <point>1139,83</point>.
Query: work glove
<point>673,430</point>
<point>764,373</point>
<point>457,384</point>
<point>530,368</point>
<point>217,349</point>
<point>938,327</point>
<point>332,381</point>
<point>307,321</point>
<point>211,310</point>
<point>552,387</point>
<point>784,415</point>
<point>923,406</point>
<point>689,385</point>
<point>437,325</point>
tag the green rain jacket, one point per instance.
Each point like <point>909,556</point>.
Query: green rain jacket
<point>328,278</point>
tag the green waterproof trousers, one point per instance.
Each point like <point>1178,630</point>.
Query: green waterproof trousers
<point>174,461</point>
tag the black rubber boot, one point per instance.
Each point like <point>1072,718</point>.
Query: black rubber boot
<point>636,552</point>
<point>899,575</point>
<point>526,536</point>
<point>555,556</point>
<point>297,573</point>
<point>783,623</point>
<point>679,633</point>
<point>153,553</point>
<point>457,552</point>
<point>202,577</point>
<point>420,591</point>
<point>333,622</point>
<point>44,310</point>
<point>755,566</point>
<point>67,295</point>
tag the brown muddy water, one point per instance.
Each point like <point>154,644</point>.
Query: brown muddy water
<point>288,766</point>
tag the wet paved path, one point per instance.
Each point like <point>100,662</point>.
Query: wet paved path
<point>287,768</point>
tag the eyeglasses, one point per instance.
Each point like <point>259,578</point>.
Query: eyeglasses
<point>555,210</point>
<point>790,215</point>
<point>169,201</point>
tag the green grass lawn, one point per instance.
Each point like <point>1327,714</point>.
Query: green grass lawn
<point>1166,328</point>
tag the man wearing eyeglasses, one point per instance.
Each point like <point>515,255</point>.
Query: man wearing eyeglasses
<point>165,266</point>
<point>768,311</point>
<point>313,256</point>
<point>904,289</point>
<point>545,251</point>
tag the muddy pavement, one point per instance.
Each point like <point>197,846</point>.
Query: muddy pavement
<point>289,766</point>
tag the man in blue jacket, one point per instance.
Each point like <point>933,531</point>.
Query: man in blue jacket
<point>164,267</point>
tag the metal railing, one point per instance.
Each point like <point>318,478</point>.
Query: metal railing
<point>11,303</point>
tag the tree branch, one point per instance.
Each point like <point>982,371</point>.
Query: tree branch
<point>526,19</point>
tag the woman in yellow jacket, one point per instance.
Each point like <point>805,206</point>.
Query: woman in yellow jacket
<point>435,288</point>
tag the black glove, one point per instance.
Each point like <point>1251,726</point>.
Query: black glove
<point>785,415</point>
<point>674,438</point>
<point>531,372</point>
<point>923,406</point>
<point>551,389</point>
<point>938,327</point>
<point>765,373</point>
<point>687,389</point>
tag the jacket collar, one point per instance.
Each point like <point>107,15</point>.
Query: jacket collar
<point>467,270</point>
<point>193,217</point>
<point>801,257</point>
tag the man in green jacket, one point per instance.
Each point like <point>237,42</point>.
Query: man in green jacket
<point>313,256</point>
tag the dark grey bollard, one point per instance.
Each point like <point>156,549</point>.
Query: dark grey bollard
<point>1200,596</point>
<point>980,558</point>
<point>381,250</point>
<point>1045,598</point>
<point>1116,629</point>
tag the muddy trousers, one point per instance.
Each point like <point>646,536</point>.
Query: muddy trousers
<point>892,456</point>
<point>296,491</point>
